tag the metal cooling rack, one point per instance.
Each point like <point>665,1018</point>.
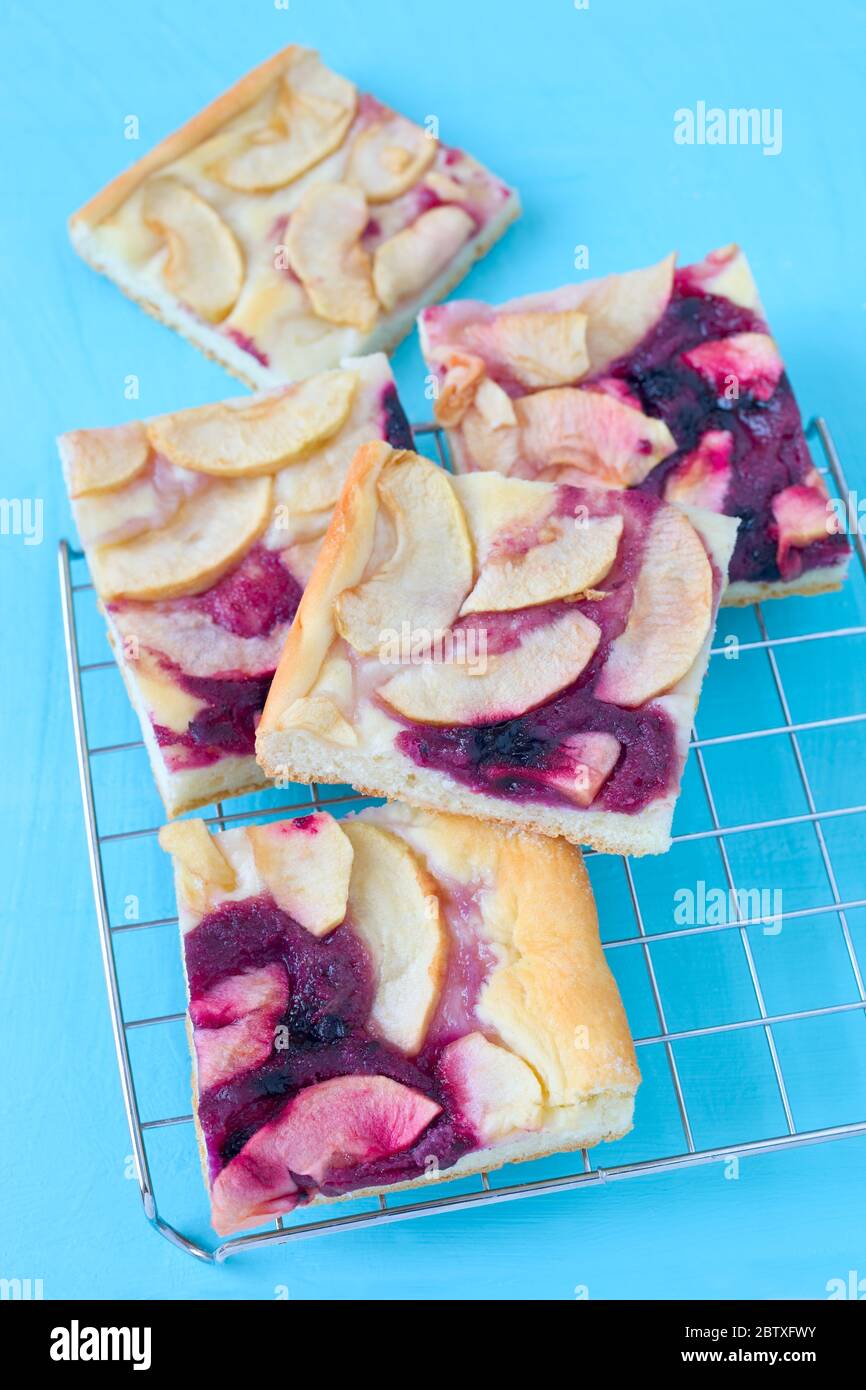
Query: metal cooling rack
<point>688,1154</point>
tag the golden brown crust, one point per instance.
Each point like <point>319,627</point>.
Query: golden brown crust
<point>821,581</point>
<point>237,98</point>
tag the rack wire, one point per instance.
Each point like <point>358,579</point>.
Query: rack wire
<point>586,1175</point>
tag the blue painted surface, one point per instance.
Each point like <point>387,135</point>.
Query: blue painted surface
<point>576,107</point>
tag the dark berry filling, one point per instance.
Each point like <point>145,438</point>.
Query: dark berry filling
<point>253,598</point>
<point>396,428</point>
<point>249,602</point>
<point>323,1034</point>
<point>225,725</point>
<point>769,448</point>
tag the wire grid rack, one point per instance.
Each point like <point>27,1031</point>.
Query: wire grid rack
<point>688,1153</point>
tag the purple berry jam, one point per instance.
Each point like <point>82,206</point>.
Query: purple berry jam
<point>324,1030</point>
<point>395,426</point>
<point>769,448</point>
<point>254,597</point>
<point>250,601</point>
<point>225,725</point>
<point>514,758</point>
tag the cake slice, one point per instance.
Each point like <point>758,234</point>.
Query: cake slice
<point>293,222</point>
<point>201,529</point>
<point>381,1001</point>
<point>529,652</point>
<point>662,380</point>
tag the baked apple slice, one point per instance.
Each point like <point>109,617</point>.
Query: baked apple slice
<point>744,362</point>
<point>204,538</point>
<point>313,110</point>
<point>323,244</point>
<point>536,349</point>
<point>347,1120</point>
<point>548,658</point>
<point>669,618</point>
<point>621,309</point>
<point>104,460</point>
<point>394,908</point>
<point>204,266</point>
<point>567,560</point>
<point>408,261</point>
<point>234,1023</point>
<point>429,572</point>
<point>305,865</point>
<point>590,431</point>
<point>389,157</point>
<point>704,476</point>
<point>237,439</point>
<point>494,1091</point>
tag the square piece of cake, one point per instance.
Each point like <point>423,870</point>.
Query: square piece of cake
<point>662,380</point>
<point>388,999</point>
<point>201,529</point>
<point>293,222</point>
<point>529,652</point>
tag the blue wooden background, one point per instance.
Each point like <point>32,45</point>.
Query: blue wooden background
<point>575,104</point>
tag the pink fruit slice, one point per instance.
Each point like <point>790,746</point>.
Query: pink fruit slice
<point>745,362</point>
<point>588,761</point>
<point>494,1090</point>
<point>802,514</point>
<point>327,1127</point>
<point>592,431</point>
<point>703,477</point>
<point>234,1023</point>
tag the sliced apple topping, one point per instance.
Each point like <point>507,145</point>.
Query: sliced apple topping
<point>506,684</point>
<point>234,1023</point>
<point>103,460</point>
<point>325,1128</point>
<point>463,374</point>
<point>197,851</point>
<point>205,265</point>
<point>407,262</point>
<point>429,571</point>
<point>745,362</point>
<point>593,432</point>
<point>262,436</point>
<point>323,247</point>
<point>726,273</point>
<point>589,758</point>
<point>495,1091</point>
<point>541,348</point>
<point>703,477</point>
<point>388,157</point>
<point>312,113</point>
<point>206,536</point>
<point>203,872</point>
<point>394,909</point>
<point>622,309</point>
<point>490,429</point>
<point>670,616</point>
<point>305,865</point>
<point>802,514</point>
<point>501,510</point>
<point>567,559</point>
